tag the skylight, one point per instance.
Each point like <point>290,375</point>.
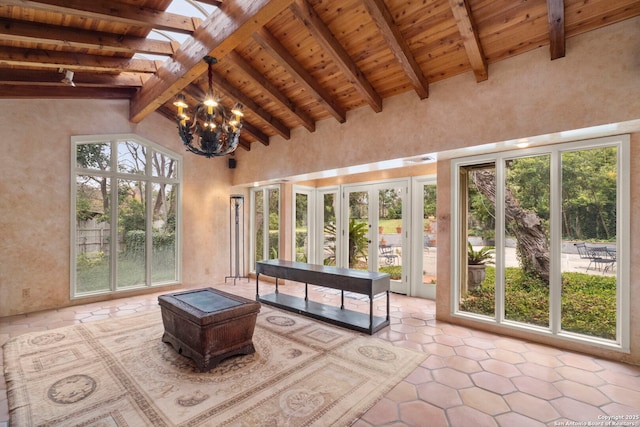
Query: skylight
<point>181,7</point>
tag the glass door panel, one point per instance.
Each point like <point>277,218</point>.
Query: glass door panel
<point>358,230</point>
<point>390,237</point>
<point>589,258</point>
<point>273,195</point>
<point>301,227</point>
<point>477,284</point>
<point>376,221</point>
<point>265,223</point>
<point>258,220</point>
<point>429,241</point>
<point>329,226</point>
<point>526,271</point>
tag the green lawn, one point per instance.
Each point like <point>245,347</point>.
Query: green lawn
<point>93,275</point>
<point>389,225</point>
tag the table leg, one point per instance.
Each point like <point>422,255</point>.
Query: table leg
<point>387,306</point>
<point>306,292</point>
<point>370,313</point>
<point>257,287</point>
<point>342,300</point>
<point>276,285</point>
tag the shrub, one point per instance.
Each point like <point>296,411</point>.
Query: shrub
<point>588,301</point>
<point>135,243</point>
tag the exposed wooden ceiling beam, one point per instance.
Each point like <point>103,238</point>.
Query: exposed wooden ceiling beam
<point>249,104</point>
<point>219,34</point>
<point>216,3</point>
<point>83,39</point>
<point>256,133</point>
<point>557,44</point>
<point>38,59</point>
<point>305,13</point>
<point>466,26</point>
<point>381,16</point>
<point>270,44</point>
<point>272,91</point>
<point>63,91</point>
<point>113,11</point>
<point>47,77</point>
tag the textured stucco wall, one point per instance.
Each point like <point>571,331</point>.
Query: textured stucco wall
<point>35,197</point>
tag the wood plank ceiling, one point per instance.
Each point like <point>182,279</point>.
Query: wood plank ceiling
<point>290,62</point>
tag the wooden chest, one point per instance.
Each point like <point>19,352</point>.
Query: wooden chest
<point>208,325</point>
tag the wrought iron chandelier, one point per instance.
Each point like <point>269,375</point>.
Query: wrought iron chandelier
<point>213,131</point>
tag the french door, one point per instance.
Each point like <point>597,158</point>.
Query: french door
<point>424,243</point>
<point>374,230</point>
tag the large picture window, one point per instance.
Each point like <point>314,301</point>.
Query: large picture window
<point>126,214</point>
<point>539,240</point>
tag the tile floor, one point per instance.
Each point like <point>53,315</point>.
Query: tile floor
<point>471,378</point>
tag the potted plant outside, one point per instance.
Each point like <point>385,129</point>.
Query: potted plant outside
<point>477,261</point>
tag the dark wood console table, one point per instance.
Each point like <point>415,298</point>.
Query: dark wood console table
<point>344,279</point>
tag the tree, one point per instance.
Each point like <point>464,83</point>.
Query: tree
<point>96,156</point>
<point>525,225</point>
<point>589,180</point>
<point>429,201</point>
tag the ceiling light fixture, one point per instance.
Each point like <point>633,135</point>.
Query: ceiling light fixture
<point>68,77</point>
<point>213,131</point>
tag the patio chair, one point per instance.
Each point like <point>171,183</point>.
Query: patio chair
<point>386,252</point>
<point>601,257</point>
<point>604,257</point>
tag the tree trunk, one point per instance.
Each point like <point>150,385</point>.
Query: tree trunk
<point>526,226</point>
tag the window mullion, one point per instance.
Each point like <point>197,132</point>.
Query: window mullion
<point>499,240</point>
<point>555,276</point>
<point>113,212</point>
<point>149,203</point>
<point>623,249</point>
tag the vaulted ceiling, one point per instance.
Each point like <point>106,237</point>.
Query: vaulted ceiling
<point>290,62</point>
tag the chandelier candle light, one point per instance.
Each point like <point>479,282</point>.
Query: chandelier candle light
<point>215,130</point>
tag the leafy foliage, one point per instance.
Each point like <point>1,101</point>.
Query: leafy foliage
<point>358,242</point>
<point>395,271</point>
<point>481,256</point>
<point>135,241</point>
<point>588,301</point>
<point>589,179</point>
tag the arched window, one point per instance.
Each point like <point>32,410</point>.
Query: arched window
<point>125,214</point>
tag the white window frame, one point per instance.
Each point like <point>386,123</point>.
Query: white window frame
<point>114,174</point>
<point>252,223</point>
<point>319,222</point>
<point>417,245</point>
<point>622,143</point>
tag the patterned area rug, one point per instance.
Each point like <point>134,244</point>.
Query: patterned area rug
<point>119,373</point>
